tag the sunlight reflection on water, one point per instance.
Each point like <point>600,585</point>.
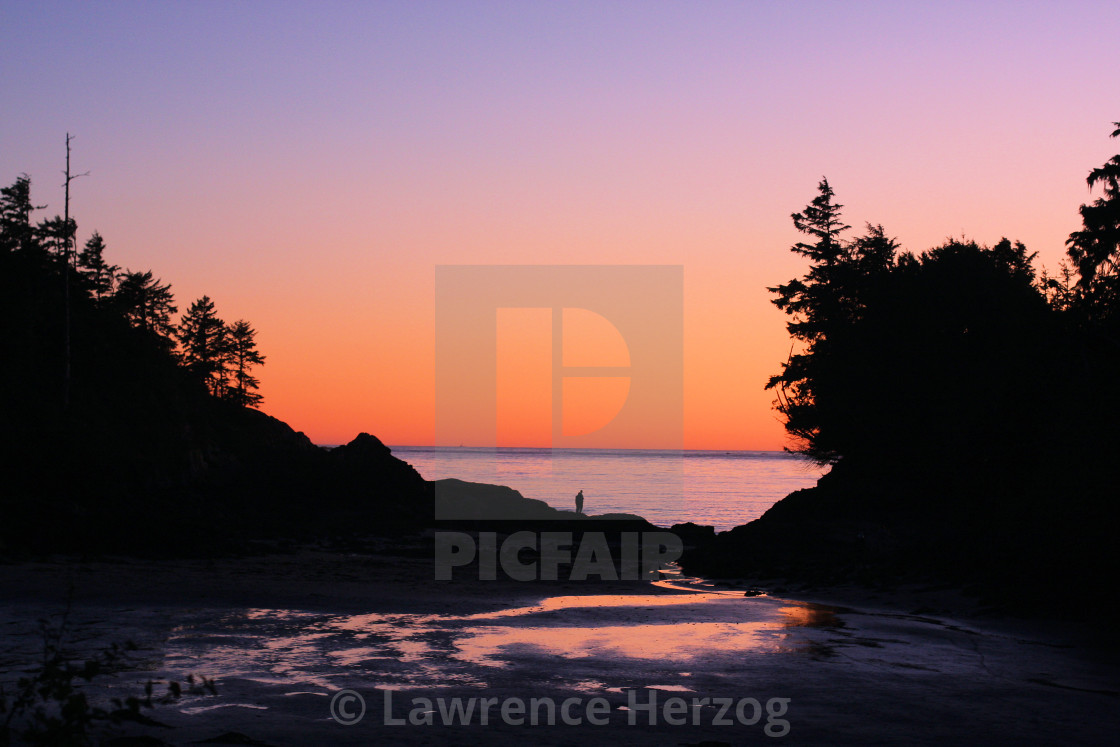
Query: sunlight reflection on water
<point>405,651</point>
<point>580,642</point>
<point>676,642</point>
<point>719,488</point>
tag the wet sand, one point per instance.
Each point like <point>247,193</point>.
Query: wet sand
<point>283,635</point>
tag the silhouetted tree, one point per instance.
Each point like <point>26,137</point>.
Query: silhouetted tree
<point>968,408</point>
<point>805,299</point>
<point>99,274</point>
<point>145,303</point>
<point>903,357</point>
<point>56,235</point>
<point>16,231</point>
<point>205,345</point>
<point>243,355</point>
<point>1091,326</point>
<point>824,304</point>
<point>810,299</point>
<point>1061,289</point>
<point>134,420</point>
<point>1095,249</point>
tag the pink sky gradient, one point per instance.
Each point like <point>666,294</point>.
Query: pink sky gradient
<point>308,165</point>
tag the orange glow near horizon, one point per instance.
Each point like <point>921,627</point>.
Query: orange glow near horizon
<point>309,168</point>
<point>591,340</point>
<point>524,377</point>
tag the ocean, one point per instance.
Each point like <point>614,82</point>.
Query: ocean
<point>720,488</point>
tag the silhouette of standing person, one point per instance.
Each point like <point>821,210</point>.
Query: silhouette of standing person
<point>579,502</point>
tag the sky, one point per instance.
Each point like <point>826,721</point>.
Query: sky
<point>310,165</point>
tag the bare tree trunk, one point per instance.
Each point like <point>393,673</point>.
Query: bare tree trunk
<point>68,260</point>
<point>66,292</point>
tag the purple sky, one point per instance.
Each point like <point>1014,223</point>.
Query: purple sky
<point>307,165</point>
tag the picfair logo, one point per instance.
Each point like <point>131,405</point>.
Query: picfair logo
<point>560,356</point>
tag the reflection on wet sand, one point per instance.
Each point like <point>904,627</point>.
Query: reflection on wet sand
<point>681,623</point>
<point>675,642</point>
<point>282,666</point>
<point>809,615</point>
<point>651,634</point>
<point>409,650</point>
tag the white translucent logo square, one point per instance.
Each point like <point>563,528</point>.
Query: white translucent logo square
<point>559,357</point>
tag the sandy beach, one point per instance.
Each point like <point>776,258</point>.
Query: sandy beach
<point>679,661</point>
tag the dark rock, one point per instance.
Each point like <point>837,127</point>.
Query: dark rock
<point>457,500</point>
<point>364,447</point>
<point>694,535</point>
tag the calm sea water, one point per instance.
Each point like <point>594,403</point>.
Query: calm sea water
<point>720,488</point>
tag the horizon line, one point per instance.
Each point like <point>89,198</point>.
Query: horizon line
<point>577,448</point>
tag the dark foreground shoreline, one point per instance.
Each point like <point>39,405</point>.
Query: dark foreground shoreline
<point>284,633</point>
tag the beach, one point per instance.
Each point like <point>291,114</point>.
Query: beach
<point>289,635</point>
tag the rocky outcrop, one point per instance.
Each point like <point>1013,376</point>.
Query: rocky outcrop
<point>458,500</point>
<point>851,527</point>
<point>870,528</point>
